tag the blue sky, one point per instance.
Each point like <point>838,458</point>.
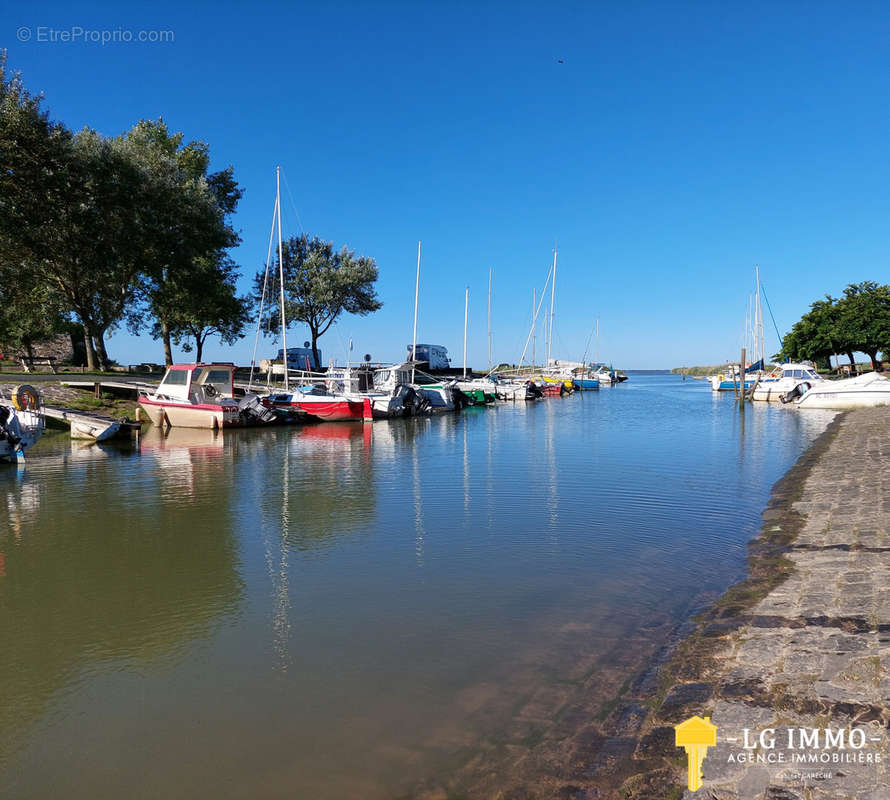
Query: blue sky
<point>677,145</point>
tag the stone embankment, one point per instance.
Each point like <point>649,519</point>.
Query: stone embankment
<point>793,665</point>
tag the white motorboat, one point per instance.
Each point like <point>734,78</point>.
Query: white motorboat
<point>863,391</point>
<point>440,395</point>
<point>783,379</point>
<point>605,377</point>
<point>21,423</point>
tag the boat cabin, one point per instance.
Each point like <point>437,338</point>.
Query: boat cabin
<point>198,383</point>
<point>801,372</point>
<point>386,379</point>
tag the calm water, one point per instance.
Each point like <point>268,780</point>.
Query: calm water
<point>342,610</point>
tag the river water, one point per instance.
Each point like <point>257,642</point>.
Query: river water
<point>347,610</point>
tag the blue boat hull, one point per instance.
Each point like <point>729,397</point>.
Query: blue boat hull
<point>586,383</point>
<point>729,386</point>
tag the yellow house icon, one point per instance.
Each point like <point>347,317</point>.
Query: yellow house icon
<point>695,735</point>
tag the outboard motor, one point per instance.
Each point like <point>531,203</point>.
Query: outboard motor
<point>254,412</point>
<point>460,399</point>
<point>798,391</point>
<point>533,391</point>
<point>9,429</point>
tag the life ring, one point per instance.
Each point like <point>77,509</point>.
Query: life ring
<point>720,377</point>
<point>25,397</point>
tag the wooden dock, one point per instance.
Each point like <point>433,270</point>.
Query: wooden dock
<point>131,387</point>
<point>86,425</point>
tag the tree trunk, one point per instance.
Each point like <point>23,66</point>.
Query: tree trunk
<point>315,357</point>
<point>91,353</point>
<point>199,348</point>
<point>101,351</point>
<point>852,362</point>
<point>168,345</point>
<point>29,348</point>
<point>873,355</point>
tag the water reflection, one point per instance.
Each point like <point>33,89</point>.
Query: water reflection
<point>99,575</point>
<point>342,610</point>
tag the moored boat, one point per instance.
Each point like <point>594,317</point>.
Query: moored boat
<point>21,423</point>
<point>863,391</point>
<point>728,380</point>
<point>201,396</point>
<point>783,379</point>
<point>319,403</point>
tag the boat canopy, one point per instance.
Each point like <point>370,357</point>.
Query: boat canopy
<point>183,379</point>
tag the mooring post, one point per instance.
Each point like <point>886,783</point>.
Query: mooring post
<point>742,380</point>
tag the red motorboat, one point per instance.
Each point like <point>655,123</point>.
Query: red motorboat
<point>318,403</point>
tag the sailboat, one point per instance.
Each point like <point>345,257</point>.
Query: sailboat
<point>730,379</point>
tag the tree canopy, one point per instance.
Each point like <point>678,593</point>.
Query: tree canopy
<point>101,230</point>
<point>857,322</point>
<point>320,284</point>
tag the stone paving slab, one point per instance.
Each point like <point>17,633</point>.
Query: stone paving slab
<point>815,652</point>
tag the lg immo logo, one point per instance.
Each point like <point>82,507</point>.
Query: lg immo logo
<point>695,736</point>
<point>794,746</point>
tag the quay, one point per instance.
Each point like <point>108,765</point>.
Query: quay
<point>793,664</point>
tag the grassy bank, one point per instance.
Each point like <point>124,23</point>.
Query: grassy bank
<point>715,370</point>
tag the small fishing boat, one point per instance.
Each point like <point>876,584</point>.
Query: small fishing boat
<point>21,423</point>
<point>863,391</point>
<point>728,380</point>
<point>202,396</point>
<point>514,389</point>
<point>479,390</point>
<point>586,381</point>
<point>386,392</point>
<point>783,379</point>
<point>319,402</point>
<point>605,377</point>
<point>439,395</point>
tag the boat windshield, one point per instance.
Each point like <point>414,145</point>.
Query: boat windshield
<point>219,379</point>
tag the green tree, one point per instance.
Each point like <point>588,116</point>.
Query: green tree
<point>320,284</point>
<point>864,319</point>
<point>816,336</point>
<point>187,230</point>
<point>29,312</point>
<point>34,162</point>
<point>209,305</point>
<point>67,213</point>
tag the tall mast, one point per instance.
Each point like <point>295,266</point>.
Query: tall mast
<point>466,311</point>
<point>759,315</point>
<point>416,296</point>
<point>552,295</point>
<point>281,277</point>
<point>489,319</point>
<point>534,321</point>
<point>597,341</point>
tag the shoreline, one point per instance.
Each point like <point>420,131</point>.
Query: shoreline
<point>800,644</point>
<point>628,751</point>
